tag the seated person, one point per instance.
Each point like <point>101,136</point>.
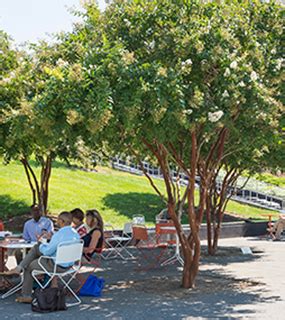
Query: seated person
<point>77,219</point>
<point>278,227</point>
<point>35,227</point>
<point>93,240</point>
<point>163,215</point>
<point>30,262</point>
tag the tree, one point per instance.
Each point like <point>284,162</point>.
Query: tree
<point>184,80</point>
<point>44,122</point>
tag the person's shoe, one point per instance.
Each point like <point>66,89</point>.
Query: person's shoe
<point>22,299</point>
<point>276,239</point>
<point>10,273</point>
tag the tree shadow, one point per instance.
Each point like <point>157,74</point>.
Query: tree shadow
<point>11,207</point>
<point>156,294</point>
<point>132,203</point>
<point>55,164</point>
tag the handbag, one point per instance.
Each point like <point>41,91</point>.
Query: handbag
<point>93,286</point>
<point>48,300</point>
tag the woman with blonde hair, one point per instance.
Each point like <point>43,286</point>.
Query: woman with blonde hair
<point>93,240</point>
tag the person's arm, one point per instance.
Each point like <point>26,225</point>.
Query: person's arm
<point>48,249</point>
<point>26,235</point>
<point>93,244</point>
<point>50,227</point>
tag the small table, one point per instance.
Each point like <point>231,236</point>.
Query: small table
<point>176,255</point>
<point>13,244</point>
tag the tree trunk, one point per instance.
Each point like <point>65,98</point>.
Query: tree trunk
<point>33,190</point>
<point>39,190</point>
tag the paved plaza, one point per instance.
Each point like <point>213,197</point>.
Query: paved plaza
<point>229,286</point>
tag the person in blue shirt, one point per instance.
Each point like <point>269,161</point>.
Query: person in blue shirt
<point>37,226</point>
<point>30,262</point>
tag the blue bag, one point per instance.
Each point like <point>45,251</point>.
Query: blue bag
<point>93,286</point>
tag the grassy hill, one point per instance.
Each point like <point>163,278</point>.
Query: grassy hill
<point>117,195</point>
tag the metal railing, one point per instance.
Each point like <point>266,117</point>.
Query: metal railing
<point>252,197</point>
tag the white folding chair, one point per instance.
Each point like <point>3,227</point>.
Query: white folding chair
<point>67,253</point>
<point>117,245</point>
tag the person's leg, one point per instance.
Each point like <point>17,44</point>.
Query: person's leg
<point>28,279</point>
<point>33,254</point>
<point>18,255</point>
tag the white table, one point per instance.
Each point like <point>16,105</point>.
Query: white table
<point>22,245</point>
<point>176,255</point>
<point>13,244</point>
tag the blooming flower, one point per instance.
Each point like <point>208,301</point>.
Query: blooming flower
<point>241,84</point>
<point>279,63</point>
<point>61,63</point>
<point>186,65</point>
<point>127,22</point>
<point>253,76</point>
<point>128,57</point>
<point>233,65</point>
<point>162,71</point>
<point>215,116</point>
<point>188,112</point>
<point>187,62</point>
<point>151,45</point>
<point>225,94</point>
<point>273,51</point>
<point>227,72</point>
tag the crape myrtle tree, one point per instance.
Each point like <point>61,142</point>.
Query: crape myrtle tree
<point>183,78</point>
<point>256,142</point>
<point>47,122</point>
<point>9,92</point>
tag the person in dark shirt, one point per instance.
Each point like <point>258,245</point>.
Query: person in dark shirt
<point>93,240</point>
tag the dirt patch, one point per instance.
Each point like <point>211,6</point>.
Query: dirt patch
<point>206,284</point>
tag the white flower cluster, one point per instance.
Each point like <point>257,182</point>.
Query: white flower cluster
<point>151,45</point>
<point>162,72</point>
<point>227,72</point>
<point>186,65</point>
<point>215,116</point>
<point>12,75</point>
<point>241,84</point>
<point>253,76</point>
<point>262,116</point>
<point>225,94</point>
<point>188,112</point>
<point>61,63</point>
<point>233,65</point>
<point>187,62</point>
<point>127,22</point>
<point>279,63</point>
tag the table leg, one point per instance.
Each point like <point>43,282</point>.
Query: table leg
<point>176,255</point>
<point>2,262</point>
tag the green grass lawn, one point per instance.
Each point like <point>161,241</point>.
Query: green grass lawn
<point>270,178</point>
<point>117,195</point>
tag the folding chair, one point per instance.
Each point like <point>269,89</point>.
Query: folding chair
<point>67,252</point>
<point>144,242</point>
<point>118,245</point>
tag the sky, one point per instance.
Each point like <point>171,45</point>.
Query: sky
<point>31,20</point>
